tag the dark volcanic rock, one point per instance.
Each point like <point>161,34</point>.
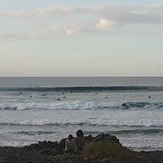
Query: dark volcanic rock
<point>101,137</point>
<point>53,152</point>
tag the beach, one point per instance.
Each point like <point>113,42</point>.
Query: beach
<point>54,152</point>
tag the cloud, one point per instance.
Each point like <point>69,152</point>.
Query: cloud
<point>55,11</point>
<point>49,11</point>
<point>105,24</point>
<point>71,21</point>
<point>128,13</point>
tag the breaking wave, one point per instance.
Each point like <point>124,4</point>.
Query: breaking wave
<point>79,105</point>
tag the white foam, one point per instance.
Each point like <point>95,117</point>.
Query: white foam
<point>144,142</point>
<point>76,115</point>
<point>77,105</point>
<point>97,117</point>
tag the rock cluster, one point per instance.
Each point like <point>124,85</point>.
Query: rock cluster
<point>53,152</point>
<point>102,137</point>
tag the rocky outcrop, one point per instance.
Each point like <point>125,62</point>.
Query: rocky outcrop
<point>102,137</point>
<point>53,152</point>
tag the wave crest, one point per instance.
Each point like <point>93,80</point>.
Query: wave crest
<point>79,105</point>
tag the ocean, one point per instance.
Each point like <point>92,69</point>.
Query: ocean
<point>35,109</point>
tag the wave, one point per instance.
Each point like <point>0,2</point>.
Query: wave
<point>138,131</point>
<point>79,105</point>
<point>143,105</point>
<point>140,124</point>
<point>31,133</point>
<point>133,131</point>
<point>130,131</point>
<point>83,89</point>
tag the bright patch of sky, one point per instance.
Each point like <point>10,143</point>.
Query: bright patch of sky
<point>81,38</point>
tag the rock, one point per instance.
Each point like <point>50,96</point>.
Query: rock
<point>50,152</point>
<point>102,137</point>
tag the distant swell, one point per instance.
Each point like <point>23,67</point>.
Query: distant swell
<point>84,89</point>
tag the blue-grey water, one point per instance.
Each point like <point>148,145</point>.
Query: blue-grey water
<point>34,109</point>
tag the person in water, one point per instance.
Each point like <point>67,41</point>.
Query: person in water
<point>80,139</point>
<point>70,144</point>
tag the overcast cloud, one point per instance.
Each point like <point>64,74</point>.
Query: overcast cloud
<point>70,21</point>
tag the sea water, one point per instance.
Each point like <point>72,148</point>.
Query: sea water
<point>35,109</point>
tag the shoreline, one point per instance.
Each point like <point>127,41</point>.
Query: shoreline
<point>47,151</point>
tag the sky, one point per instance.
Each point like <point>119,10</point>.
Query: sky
<point>81,38</point>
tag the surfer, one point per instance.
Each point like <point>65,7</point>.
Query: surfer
<point>125,106</point>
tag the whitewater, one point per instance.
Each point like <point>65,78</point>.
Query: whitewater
<point>38,109</point>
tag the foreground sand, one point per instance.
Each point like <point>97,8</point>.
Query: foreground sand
<point>52,152</point>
